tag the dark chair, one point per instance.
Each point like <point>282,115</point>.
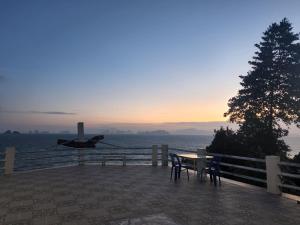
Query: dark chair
<point>178,166</point>
<point>214,169</point>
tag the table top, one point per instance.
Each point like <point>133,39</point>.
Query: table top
<point>195,156</point>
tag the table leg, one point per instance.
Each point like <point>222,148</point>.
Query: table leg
<point>195,168</point>
<point>200,167</point>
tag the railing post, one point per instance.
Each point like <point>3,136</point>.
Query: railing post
<point>154,155</point>
<point>81,157</point>
<point>273,170</point>
<point>103,160</point>
<point>124,160</point>
<point>164,155</point>
<point>9,160</point>
<point>201,164</point>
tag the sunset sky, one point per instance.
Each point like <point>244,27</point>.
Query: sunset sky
<point>142,61</point>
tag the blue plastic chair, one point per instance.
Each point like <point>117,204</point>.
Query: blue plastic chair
<point>177,166</point>
<point>214,169</point>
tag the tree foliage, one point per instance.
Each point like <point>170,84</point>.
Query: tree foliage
<point>227,141</point>
<point>270,94</point>
<point>271,89</point>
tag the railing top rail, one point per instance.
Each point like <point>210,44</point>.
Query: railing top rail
<point>289,164</point>
<point>43,168</point>
<point>49,157</point>
<point>297,176</point>
<point>84,149</point>
<point>244,176</point>
<point>182,150</point>
<point>120,153</point>
<point>120,148</point>
<point>115,158</point>
<point>243,167</point>
<point>47,164</point>
<point>289,186</point>
<point>45,151</point>
<point>239,157</point>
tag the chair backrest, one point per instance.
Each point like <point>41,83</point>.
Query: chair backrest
<point>215,163</point>
<point>175,159</point>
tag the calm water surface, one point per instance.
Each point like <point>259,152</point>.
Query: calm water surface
<point>45,145</point>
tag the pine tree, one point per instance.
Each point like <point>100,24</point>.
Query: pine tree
<point>271,89</point>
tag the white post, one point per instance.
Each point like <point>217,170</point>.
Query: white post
<point>80,130</point>
<point>164,155</point>
<point>154,155</point>
<point>124,160</point>
<point>201,163</point>
<point>103,160</point>
<point>81,157</point>
<point>273,171</point>
<point>9,160</point>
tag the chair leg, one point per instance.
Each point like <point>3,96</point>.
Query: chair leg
<point>215,179</point>
<point>200,175</point>
<point>176,173</point>
<point>187,172</point>
<point>202,172</point>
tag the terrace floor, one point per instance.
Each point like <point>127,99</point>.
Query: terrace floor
<point>95,195</point>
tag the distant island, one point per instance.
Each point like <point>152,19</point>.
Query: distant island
<point>154,132</point>
<point>9,132</point>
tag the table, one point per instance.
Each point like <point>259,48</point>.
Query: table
<point>199,159</point>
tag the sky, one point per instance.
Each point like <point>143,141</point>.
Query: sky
<point>143,61</point>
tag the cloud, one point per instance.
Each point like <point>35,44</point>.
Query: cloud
<point>39,112</point>
<point>53,112</point>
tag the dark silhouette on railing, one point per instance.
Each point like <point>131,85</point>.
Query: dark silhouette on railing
<point>77,143</point>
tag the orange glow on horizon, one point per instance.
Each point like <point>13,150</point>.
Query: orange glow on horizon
<point>143,114</point>
<point>171,113</point>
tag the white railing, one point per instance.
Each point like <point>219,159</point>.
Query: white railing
<point>289,176</point>
<point>42,159</point>
<point>270,172</point>
<point>270,169</point>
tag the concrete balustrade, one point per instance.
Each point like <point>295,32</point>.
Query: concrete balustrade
<point>81,157</point>
<point>164,155</point>
<point>124,160</point>
<point>9,160</point>
<point>273,170</point>
<point>154,155</point>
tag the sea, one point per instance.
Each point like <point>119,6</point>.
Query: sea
<point>43,145</point>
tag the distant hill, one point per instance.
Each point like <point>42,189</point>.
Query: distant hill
<point>9,132</point>
<point>193,131</point>
<point>154,132</point>
<point>187,128</point>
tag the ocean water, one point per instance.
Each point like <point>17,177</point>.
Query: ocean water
<point>36,151</point>
<point>29,142</point>
<point>43,146</point>
<point>26,142</point>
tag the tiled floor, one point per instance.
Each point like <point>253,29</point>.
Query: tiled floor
<point>88,195</point>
